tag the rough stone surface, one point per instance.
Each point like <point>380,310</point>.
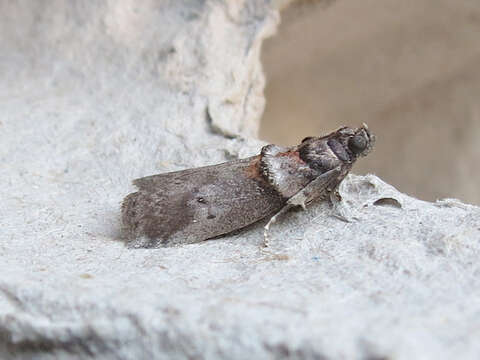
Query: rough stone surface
<point>95,94</point>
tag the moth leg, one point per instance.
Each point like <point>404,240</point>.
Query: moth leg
<point>335,196</point>
<point>335,200</point>
<point>340,209</point>
<point>272,220</point>
<point>317,188</point>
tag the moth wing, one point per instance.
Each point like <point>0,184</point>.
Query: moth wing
<point>197,204</point>
<point>173,178</point>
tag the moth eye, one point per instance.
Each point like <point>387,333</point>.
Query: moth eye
<point>307,138</point>
<point>357,144</point>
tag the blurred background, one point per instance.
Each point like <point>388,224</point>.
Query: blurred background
<point>410,69</point>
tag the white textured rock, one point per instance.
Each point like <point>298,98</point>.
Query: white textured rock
<point>95,94</point>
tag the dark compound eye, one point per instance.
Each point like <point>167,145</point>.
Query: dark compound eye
<point>357,144</point>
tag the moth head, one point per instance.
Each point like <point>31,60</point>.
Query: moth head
<point>361,142</point>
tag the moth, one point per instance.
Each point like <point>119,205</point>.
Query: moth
<point>193,205</point>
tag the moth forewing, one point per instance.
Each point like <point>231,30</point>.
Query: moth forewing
<point>197,204</point>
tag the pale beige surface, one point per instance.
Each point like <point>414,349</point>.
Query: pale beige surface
<point>410,69</point>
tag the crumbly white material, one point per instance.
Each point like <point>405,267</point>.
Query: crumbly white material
<point>93,96</point>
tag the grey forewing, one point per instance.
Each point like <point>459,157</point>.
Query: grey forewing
<point>196,204</point>
<point>152,182</point>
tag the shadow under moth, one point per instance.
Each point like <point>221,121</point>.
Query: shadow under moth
<point>193,205</point>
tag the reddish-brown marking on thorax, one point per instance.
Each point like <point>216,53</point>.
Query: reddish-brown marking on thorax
<point>294,155</point>
<point>253,169</point>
